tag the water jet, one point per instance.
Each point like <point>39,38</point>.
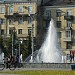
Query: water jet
<point>49,51</point>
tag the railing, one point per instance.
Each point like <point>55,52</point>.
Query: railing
<point>68,39</point>
<point>68,17</point>
<point>29,57</point>
<point>68,28</point>
<point>47,66</point>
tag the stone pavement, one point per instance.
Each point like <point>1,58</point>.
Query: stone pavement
<point>24,69</point>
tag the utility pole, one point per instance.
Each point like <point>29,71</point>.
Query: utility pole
<point>32,40</point>
<point>32,31</point>
<point>19,51</point>
<point>0,26</point>
<point>12,44</point>
<point>0,33</point>
<point>20,42</point>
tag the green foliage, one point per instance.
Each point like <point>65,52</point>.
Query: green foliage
<point>29,45</point>
<point>24,51</point>
<point>1,41</point>
<point>2,44</point>
<point>6,45</point>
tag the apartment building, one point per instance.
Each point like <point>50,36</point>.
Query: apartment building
<point>64,20</point>
<point>22,15</point>
<point>18,16</point>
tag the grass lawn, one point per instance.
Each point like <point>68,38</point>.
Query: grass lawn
<point>40,72</point>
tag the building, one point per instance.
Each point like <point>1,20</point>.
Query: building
<point>63,13</point>
<point>19,16</point>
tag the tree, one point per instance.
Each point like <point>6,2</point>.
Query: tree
<point>24,50</point>
<point>29,45</point>
<point>8,45</point>
<point>1,44</point>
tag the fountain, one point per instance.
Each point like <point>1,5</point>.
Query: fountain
<point>49,51</point>
<point>1,57</point>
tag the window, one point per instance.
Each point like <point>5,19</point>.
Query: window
<point>48,13</point>
<point>29,20</point>
<point>69,24</point>
<point>68,34</point>
<point>58,13</point>
<point>58,23</point>
<point>11,9</point>
<point>19,31</point>
<point>2,32</point>
<point>59,34</point>
<point>69,12</point>
<point>20,9</point>
<point>2,21</point>
<point>29,31</point>
<point>46,24</point>
<point>29,9</point>
<point>69,45</point>
<point>11,20</point>
<point>10,31</point>
<point>20,20</point>
<point>2,9</point>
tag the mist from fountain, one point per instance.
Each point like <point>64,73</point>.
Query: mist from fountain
<point>50,51</point>
<point>1,57</point>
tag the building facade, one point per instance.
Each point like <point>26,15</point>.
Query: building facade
<point>64,20</point>
<point>19,17</point>
<point>22,15</point>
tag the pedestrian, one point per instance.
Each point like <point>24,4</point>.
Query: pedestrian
<point>73,56</point>
<point>70,57</point>
<point>9,60</point>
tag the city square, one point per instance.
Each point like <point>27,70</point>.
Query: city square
<point>38,34</point>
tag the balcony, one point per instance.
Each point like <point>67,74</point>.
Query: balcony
<point>69,17</point>
<point>67,39</point>
<point>8,15</point>
<point>47,18</point>
<point>16,14</point>
<point>68,28</point>
<point>22,35</point>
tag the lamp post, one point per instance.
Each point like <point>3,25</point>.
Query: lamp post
<point>32,31</point>
<point>0,26</point>
<point>32,41</point>
<point>20,42</point>
<point>0,33</point>
<point>12,44</point>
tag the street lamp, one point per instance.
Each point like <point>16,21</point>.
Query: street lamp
<point>13,33</point>
<point>0,26</point>
<point>32,41</point>
<point>12,44</point>
<point>20,42</point>
<point>0,33</point>
<point>32,31</point>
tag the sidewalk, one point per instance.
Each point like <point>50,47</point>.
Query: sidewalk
<point>24,69</point>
